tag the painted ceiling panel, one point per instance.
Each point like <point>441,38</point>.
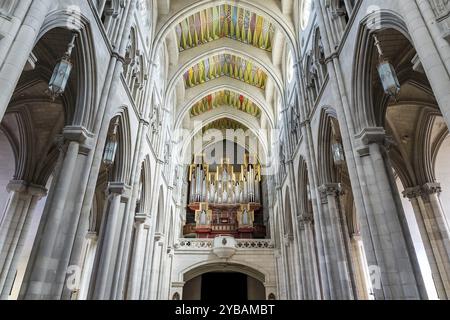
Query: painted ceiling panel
<point>225,65</point>
<point>225,21</point>
<point>224,124</point>
<point>225,98</point>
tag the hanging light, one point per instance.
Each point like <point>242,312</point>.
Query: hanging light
<point>387,73</point>
<point>338,153</point>
<point>111,146</point>
<point>61,73</point>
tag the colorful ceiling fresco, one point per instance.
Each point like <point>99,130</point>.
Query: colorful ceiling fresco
<point>225,65</point>
<point>225,98</point>
<point>225,21</point>
<point>224,124</point>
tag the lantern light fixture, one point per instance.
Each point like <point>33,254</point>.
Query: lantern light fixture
<point>61,73</point>
<point>387,73</point>
<point>338,153</point>
<point>111,146</point>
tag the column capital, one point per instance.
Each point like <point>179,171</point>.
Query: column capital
<point>76,133</point>
<point>287,238</point>
<point>17,186</point>
<point>431,188</point>
<point>92,235</point>
<point>372,135</point>
<point>118,188</point>
<point>331,189</point>
<point>81,135</point>
<point>304,220</point>
<point>22,186</point>
<point>412,193</point>
<point>142,218</point>
<point>37,190</point>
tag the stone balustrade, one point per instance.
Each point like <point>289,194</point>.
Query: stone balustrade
<point>207,244</point>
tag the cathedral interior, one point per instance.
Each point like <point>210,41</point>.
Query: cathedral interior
<point>205,149</point>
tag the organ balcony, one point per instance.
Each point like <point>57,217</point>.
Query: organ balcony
<point>225,202</point>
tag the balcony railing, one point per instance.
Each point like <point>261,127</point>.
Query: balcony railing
<point>207,244</point>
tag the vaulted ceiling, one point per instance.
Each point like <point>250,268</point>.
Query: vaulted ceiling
<point>225,66</point>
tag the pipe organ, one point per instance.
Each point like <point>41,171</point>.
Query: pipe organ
<point>223,200</point>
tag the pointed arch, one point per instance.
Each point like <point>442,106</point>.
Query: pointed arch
<point>122,163</point>
<point>362,103</point>
<point>86,68</point>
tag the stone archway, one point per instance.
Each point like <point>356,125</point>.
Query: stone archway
<point>218,282</point>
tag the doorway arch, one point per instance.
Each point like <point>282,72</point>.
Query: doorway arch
<point>241,282</point>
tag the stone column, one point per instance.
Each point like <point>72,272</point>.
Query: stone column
<point>15,229</point>
<point>362,291</point>
<point>434,231</point>
<point>137,259</point>
<point>106,266</point>
<point>155,275</point>
<point>387,241</point>
<point>384,230</point>
<point>302,277</point>
<point>42,279</point>
<point>88,264</point>
<point>145,282</point>
<point>310,276</point>
<point>338,266</point>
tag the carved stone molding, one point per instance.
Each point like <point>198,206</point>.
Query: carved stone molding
<point>423,191</point>
<point>432,188</point>
<point>24,187</point>
<point>331,189</point>
<point>412,193</point>
<point>118,188</point>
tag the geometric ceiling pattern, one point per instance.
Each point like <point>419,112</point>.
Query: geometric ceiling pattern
<point>222,98</point>
<point>225,65</point>
<point>225,21</point>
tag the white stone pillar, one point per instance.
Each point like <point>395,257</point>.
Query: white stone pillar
<point>106,267</point>
<point>40,278</point>
<point>434,232</point>
<point>309,277</point>
<point>145,282</point>
<point>338,265</point>
<point>155,273</point>
<point>24,198</point>
<point>138,254</point>
<point>387,241</point>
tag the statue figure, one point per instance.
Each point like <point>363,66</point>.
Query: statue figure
<point>245,217</point>
<point>203,218</point>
